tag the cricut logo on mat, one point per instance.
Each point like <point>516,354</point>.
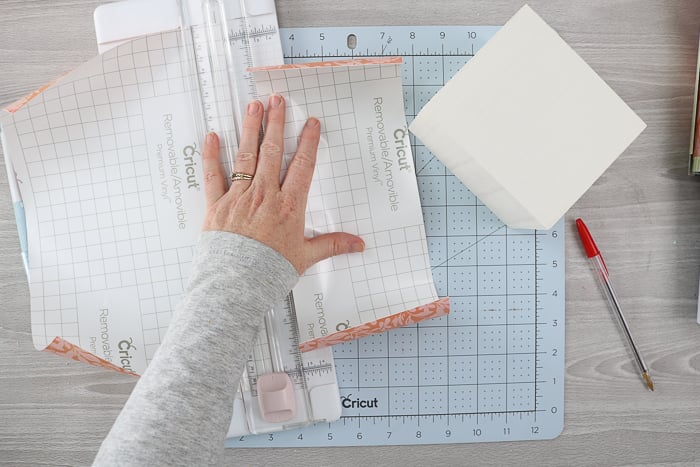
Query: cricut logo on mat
<point>349,403</point>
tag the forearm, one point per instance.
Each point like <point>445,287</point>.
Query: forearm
<point>180,409</point>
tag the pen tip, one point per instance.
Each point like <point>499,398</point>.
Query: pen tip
<point>648,380</point>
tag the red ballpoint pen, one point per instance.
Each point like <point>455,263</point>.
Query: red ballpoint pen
<point>601,270</point>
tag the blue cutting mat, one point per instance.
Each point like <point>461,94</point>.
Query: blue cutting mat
<point>493,370</point>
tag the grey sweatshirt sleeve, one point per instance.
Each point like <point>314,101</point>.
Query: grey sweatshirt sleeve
<point>180,410</point>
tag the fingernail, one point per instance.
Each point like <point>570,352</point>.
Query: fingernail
<point>312,122</point>
<point>211,138</point>
<point>275,101</point>
<point>357,247</point>
<point>253,108</point>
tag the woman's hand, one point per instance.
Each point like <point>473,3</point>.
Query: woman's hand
<point>262,208</point>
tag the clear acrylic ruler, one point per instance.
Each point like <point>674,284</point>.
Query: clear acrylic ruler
<point>493,370</point>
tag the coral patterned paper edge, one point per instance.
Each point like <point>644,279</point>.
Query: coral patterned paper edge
<point>18,104</point>
<point>431,310</point>
<point>62,347</point>
<point>355,62</point>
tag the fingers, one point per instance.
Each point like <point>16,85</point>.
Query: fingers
<point>247,157</point>
<point>301,169</point>
<point>214,181</point>
<point>332,244</point>
<point>267,174</point>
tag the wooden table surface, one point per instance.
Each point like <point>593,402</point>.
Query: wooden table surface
<point>644,210</point>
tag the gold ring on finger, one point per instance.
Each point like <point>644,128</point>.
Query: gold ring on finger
<point>235,176</point>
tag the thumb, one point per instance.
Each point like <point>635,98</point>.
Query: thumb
<point>332,244</point>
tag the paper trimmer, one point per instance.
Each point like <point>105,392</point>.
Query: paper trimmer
<point>281,388</point>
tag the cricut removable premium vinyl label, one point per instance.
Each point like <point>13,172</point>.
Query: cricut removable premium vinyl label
<point>174,155</point>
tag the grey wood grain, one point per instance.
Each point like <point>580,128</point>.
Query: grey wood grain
<point>644,211</point>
